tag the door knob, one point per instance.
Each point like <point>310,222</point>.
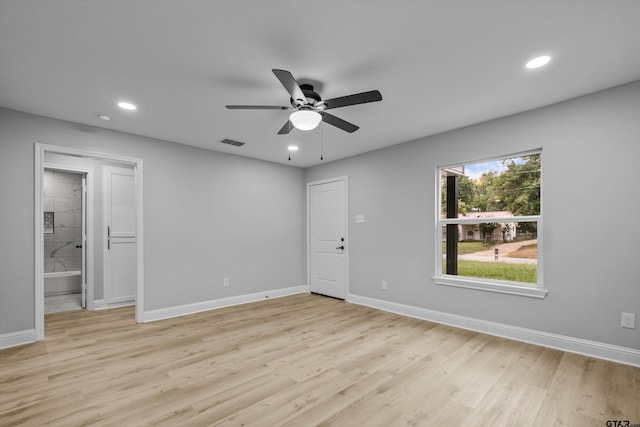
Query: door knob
<point>340,247</point>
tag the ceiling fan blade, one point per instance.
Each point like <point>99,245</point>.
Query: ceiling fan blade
<point>286,128</point>
<point>338,122</point>
<point>291,85</point>
<point>256,107</point>
<point>358,98</point>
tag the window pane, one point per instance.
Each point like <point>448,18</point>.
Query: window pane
<point>504,187</point>
<point>500,251</point>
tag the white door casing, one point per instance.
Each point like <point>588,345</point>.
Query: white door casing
<point>327,242</point>
<point>120,235</point>
<point>83,241</point>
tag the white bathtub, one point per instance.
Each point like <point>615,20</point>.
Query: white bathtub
<point>62,282</point>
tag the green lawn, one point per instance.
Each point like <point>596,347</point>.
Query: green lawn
<point>526,273</point>
<point>468,247</point>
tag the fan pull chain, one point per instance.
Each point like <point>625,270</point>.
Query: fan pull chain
<point>321,141</point>
<point>289,123</point>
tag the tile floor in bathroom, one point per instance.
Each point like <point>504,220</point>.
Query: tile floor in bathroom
<point>66,302</point>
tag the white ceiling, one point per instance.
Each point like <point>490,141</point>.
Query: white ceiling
<point>439,65</point>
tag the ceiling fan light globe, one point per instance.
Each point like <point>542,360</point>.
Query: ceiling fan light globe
<point>305,119</point>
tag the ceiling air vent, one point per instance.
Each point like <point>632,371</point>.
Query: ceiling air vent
<point>232,142</point>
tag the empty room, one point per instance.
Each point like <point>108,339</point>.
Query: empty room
<point>319,212</point>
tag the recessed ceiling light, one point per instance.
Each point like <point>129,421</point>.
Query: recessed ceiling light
<point>104,117</point>
<point>538,62</point>
<point>293,148</point>
<point>127,106</point>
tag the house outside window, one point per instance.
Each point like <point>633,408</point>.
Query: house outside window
<point>490,223</point>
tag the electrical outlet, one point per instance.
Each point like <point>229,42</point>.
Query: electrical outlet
<point>226,282</point>
<point>628,320</point>
<point>384,285</point>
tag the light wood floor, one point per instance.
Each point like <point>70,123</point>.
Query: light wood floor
<point>303,360</point>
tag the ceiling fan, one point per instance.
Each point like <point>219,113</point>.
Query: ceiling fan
<point>309,108</point>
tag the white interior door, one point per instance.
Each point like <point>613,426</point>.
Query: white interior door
<point>120,225</point>
<point>327,238</point>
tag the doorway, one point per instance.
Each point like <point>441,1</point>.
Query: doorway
<point>43,155</point>
<point>327,247</point>
<point>64,202</point>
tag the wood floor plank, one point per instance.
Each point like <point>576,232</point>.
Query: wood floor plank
<point>623,380</point>
<point>338,401</point>
<point>302,360</point>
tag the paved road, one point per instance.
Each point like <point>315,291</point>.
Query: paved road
<point>503,250</point>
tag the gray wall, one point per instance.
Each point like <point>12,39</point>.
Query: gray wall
<point>591,150</point>
<point>207,216</point>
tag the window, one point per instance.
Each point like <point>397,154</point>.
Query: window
<point>490,225</point>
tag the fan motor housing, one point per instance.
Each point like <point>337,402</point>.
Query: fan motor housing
<point>312,97</point>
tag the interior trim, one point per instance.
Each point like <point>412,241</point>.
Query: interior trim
<point>624,355</point>
<point>197,307</point>
<point>506,288</point>
<point>14,339</point>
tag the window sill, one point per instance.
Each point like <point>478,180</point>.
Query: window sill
<point>504,288</point>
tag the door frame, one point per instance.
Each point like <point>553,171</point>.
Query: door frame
<point>345,179</point>
<point>89,218</point>
<point>39,154</point>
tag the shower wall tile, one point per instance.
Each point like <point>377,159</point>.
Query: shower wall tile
<point>48,204</point>
<point>62,195</point>
<point>67,263</point>
<point>62,234</point>
<point>61,204</point>
<point>49,247</point>
<point>66,177</point>
<point>64,219</point>
<point>68,219</point>
<point>49,265</point>
<point>56,250</point>
<point>58,189</point>
<point>77,191</point>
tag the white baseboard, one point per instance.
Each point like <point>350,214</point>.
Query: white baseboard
<point>99,304</point>
<point>627,356</point>
<point>14,339</point>
<point>183,310</point>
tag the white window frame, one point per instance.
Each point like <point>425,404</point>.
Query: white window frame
<point>536,290</point>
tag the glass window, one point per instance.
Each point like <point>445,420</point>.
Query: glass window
<point>490,225</point>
